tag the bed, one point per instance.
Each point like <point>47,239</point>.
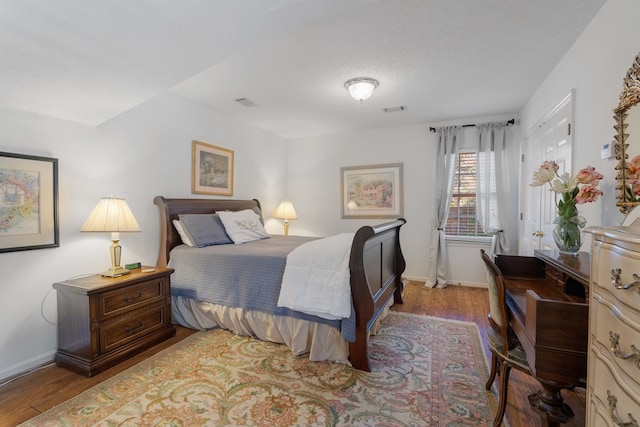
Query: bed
<point>376,264</point>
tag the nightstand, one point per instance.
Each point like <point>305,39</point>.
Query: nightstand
<point>103,320</point>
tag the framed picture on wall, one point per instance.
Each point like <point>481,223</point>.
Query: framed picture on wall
<point>28,202</point>
<point>373,191</point>
<point>212,170</point>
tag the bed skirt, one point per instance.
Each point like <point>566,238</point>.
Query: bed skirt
<point>303,337</point>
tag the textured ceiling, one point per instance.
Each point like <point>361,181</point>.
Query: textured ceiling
<point>91,60</point>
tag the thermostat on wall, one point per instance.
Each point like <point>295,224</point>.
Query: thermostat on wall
<point>607,151</point>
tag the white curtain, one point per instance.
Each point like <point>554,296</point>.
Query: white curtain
<point>494,186</point>
<point>449,139</point>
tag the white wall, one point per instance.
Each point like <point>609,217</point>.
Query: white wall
<point>138,155</point>
<point>314,183</point>
<point>595,67</point>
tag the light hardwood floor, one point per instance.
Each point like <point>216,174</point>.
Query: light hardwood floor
<point>39,391</point>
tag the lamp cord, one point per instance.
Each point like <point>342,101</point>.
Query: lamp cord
<point>42,309</point>
<point>47,296</point>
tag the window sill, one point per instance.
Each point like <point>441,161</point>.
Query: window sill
<point>469,239</point>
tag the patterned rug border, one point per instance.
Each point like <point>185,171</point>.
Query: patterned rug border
<point>492,395</point>
<point>479,354</point>
<point>454,321</point>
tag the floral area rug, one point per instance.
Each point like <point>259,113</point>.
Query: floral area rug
<point>425,372</point>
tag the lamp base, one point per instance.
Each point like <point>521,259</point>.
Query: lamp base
<point>115,272</point>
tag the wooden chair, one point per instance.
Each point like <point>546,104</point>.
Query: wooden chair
<point>506,351</point>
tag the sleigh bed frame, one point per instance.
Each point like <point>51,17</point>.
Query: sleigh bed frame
<point>376,262</point>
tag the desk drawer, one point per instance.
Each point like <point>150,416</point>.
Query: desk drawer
<point>123,300</point>
<point>555,277</point>
<point>132,327</point>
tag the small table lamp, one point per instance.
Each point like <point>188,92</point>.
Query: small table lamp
<point>112,215</point>
<point>286,211</point>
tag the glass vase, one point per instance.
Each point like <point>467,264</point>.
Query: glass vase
<point>568,234</point>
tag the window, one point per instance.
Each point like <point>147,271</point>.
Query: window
<point>462,210</point>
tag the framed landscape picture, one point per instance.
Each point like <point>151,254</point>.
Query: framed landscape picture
<point>28,202</point>
<point>212,170</point>
<point>373,191</point>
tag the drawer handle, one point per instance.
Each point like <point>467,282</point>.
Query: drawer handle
<point>613,401</point>
<point>617,282</point>
<point>131,299</point>
<point>135,330</point>
<point>614,337</point>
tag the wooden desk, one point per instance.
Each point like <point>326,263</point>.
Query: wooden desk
<point>546,296</point>
<point>570,274</point>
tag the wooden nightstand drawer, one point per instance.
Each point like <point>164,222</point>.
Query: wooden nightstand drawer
<point>122,300</point>
<point>130,328</point>
<point>102,321</point>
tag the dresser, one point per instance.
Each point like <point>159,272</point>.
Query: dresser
<point>613,385</point>
<point>103,320</point>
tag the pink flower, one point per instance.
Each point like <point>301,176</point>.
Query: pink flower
<point>581,188</point>
<point>633,166</point>
<point>587,194</point>
<point>545,174</point>
<point>633,184</point>
<point>589,175</point>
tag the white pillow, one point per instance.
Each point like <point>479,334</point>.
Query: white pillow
<point>185,239</point>
<point>243,226</point>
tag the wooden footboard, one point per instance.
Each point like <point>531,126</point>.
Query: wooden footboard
<point>376,262</point>
<point>376,265</point>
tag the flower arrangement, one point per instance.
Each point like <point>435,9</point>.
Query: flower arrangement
<point>632,178</point>
<point>575,190</point>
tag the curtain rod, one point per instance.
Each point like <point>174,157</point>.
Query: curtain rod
<point>509,122</point>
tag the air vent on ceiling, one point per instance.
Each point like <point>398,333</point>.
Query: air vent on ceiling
<point>246,102</point>
<point>393,109</point>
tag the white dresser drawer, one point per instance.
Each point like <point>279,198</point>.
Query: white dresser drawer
<point>607,320</point>
<point>605,384</point>
<point>607,257</point>
<point>614,310</point>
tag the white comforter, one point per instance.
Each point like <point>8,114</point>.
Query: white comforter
<point>316,278</point>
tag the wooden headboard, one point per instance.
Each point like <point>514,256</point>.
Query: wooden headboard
<point>171,208</point>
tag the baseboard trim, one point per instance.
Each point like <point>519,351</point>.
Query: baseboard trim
<point>415,278</point>
<point>471,285</point>
<point>26,367</point>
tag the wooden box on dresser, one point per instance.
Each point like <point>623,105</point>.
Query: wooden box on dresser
<point>613,381</point>
<point>102,320</point>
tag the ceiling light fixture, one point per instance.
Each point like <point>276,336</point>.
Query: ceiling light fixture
<point>361,88</point>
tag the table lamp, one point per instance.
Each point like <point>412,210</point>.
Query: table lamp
<point>286,211</point>
<point>112,215</point>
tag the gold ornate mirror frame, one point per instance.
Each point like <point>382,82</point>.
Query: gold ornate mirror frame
<point>628,173</point>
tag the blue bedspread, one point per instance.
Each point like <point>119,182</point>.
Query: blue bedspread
<point>246,276</point>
